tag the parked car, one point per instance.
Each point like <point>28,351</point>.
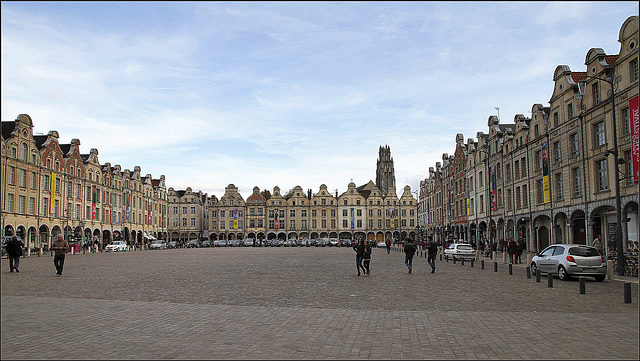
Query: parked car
<point>570,260</point>
<point>220,243</point>
<point>321,242</point>
<point>248,242</point>
<point>276,243</point>
<point>206,243</point>
<point>234,243</point>
<point>194,243</point>
<point>290,243</point>
<point>457,251</point>
<point>333,242</point>
<point>116,246</point>
<point>306,242</point>
<point>172,244</point>
<point>158,244</point>
<point>381,244</point>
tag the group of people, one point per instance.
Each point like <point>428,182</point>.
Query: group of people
<point>14,251</point>
<point>363,254</point>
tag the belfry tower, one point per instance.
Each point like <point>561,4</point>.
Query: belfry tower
<point>385,175</point>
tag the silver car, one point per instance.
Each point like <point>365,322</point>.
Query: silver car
<point>570,260</point>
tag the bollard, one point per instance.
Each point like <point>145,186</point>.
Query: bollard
<point>495,266</point>
<point>550,279</point>
<point>482,264</point>
<point>537,275</point>
<point>528,272</point>
<point>472,263</point>
<point>440,257</point>
<point>446,259</point>
<point>454,260</point>
<point>462,261</point>
<point>582,285</point>
<point>510,269</point>
<point>627,292</point>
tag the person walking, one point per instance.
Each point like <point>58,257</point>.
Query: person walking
<point>359,248</point>
<point>520,247</point>
<point>14,251</point>
<point>409,251</point>
<point>432,252</point>
<point>388,244</point>
<point>366,257</point>
<point>513,251</point>
<point>60,246</point>
<point>597,243</point>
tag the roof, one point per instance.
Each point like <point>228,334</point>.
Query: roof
<point>7,129</point>
<point>577,76</point>
<point>610,59</point>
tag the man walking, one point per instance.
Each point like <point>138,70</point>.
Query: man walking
<point>388,244</point>
<point>597,244</point>
<point>432,252</point>
<point>409,250</point>
<point>14,251</point>
<point>359,248</point>
<point>60,246</point>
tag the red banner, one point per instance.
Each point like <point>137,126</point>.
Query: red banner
<point>633,113</point>
<point>276,217</point>
<point>149,210</point>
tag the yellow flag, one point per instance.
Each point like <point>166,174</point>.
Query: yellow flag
<point>52,190</point>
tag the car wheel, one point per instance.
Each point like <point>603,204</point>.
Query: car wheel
<point>600,278</point>
<point>534,268</point>
<point>562,274</point>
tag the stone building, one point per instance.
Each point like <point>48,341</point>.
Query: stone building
<point>49,188</point>
<point>550,178</point>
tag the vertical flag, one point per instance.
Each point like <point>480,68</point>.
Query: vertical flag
<point>392,220</point>
<point>149,210</point>
<point>276,218</point>
<point>633,114</point>
<point>352,219</point>
<point>52,190</point>
<point>94,197</point>
<point>545,173</point>
<point>235,218</point>
<point>468,201</point>
<point>494,201</point>
<point>127,200</point>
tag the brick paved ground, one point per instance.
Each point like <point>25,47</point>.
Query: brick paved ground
<point>303,303</point>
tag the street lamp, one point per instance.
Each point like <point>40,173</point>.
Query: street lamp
<point>619,246</point>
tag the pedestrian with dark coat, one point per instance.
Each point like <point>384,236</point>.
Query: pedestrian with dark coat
<point>366,257</point>
<point>61,246</point>
<point>388,244</point>
<point>520,245</point>
<point>359,248</point>
<point>513,251</point>
<point>409,251</point>
<point>14,251</point>
<point>432,252</point>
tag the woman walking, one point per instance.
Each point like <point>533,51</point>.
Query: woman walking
<point>359,248</point>
<point>367,257</point>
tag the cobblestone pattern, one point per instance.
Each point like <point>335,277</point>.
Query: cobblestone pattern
<point>303,303</point>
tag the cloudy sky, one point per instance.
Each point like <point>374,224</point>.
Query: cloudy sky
<point>287,93</point>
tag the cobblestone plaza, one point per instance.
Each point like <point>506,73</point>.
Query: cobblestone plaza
<point>304,303</point>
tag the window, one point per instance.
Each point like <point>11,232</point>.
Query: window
<point>601,178</point>
<point>10,203</point>
<point>633,70</point>
<point>540,191</point>
<point>577,190</point>
<point>629,166</point>
<point>559,193</point>
<point>557,151</point>
<point>21,204</point>
<point>556,119</point>
<point>22,178</point>
<point>193,222</point>
<point>184,222</point>
<point>595,93</point>
<point>598,134</point>
<point>518,198</point>
<point>516,167</point>
<point>23,152</point>
<point>193,210</point>
<point>292,213</point>
<point>10,175</point>
<point>525,197</point>
<point>570,110</point>
<point>575,147</point>
<point>32,206</point>
<point>626,126</point>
